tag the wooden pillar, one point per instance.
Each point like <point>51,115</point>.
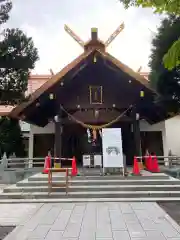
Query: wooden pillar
<point>58,136</point>
<point>137,134</point>
<point>58,143</point>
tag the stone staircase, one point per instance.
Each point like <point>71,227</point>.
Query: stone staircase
<point>157,187</point>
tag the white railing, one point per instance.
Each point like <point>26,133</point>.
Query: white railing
<point>168,161</point>
<point>27,162</point>
<point>165,160</point>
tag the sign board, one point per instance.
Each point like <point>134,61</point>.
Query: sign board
<point>97,160</point>
<point>112,148</point>
<point>86,160</point>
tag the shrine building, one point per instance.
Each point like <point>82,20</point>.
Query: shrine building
<point>69,110</point>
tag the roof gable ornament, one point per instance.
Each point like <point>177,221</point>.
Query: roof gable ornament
<point>139,69</point>
<point>94,42</point>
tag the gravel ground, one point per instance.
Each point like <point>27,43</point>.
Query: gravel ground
<point>5,230</point>
<point>172,208</point>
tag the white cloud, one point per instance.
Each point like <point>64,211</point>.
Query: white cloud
<point>56,48</point>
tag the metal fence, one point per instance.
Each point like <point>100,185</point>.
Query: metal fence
<point>169,161</point>
<point>28,162</point>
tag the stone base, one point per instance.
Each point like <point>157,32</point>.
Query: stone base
<point>13,176</point>
<point>112,171</point>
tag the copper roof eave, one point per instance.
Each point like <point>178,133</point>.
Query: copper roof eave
<point>57,77</point>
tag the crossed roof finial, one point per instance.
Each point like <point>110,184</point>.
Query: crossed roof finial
<point>94,35</point>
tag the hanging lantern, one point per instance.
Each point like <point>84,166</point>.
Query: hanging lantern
<point>94,59</point>
<point>141,93</point>
<point>51,96</point>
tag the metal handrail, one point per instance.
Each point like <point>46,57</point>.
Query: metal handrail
<point>39,162</point>
<point>30,162</point>
<point>160,157</point>
<point>170,160</point>
<point>27,159</point>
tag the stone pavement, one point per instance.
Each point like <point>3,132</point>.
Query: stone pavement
<point>90,221</point>
<point>17,214</point>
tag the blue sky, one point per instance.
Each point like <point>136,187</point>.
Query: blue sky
<point>44,21</point>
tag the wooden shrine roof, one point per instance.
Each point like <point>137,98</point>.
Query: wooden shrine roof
<point>18,110</point>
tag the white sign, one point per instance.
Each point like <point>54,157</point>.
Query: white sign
<point>86,160</point>
<point>112,148</point>
<point>97,160</point>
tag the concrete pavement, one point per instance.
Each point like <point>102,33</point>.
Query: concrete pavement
<point>90,221</point>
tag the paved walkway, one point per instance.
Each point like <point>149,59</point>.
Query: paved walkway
<point>89,221</point>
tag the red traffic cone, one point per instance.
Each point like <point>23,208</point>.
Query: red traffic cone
<point>47,164</point>
<point>155,164</point>
<point>136,167</point>
<point>150,164</point>
<point>74,167</point>
<point>146,160</point>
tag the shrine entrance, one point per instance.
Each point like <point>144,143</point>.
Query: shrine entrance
<point>77,141</point>
<point>95,88</point>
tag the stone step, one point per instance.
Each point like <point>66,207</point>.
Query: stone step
<point>91,188</point>
<point>102,194</point>
<point>83,200</point>
<point>44,177</point>
<point>77,182</point>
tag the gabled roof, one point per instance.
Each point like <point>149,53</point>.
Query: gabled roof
<point>59,76</point>
<point>136,75</point>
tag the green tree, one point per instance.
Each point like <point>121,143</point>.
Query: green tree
<point>17,57</point>
<point>11,138</point>
<point>167,82</point>
<point>171,58</point>
<point>5,8</point>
